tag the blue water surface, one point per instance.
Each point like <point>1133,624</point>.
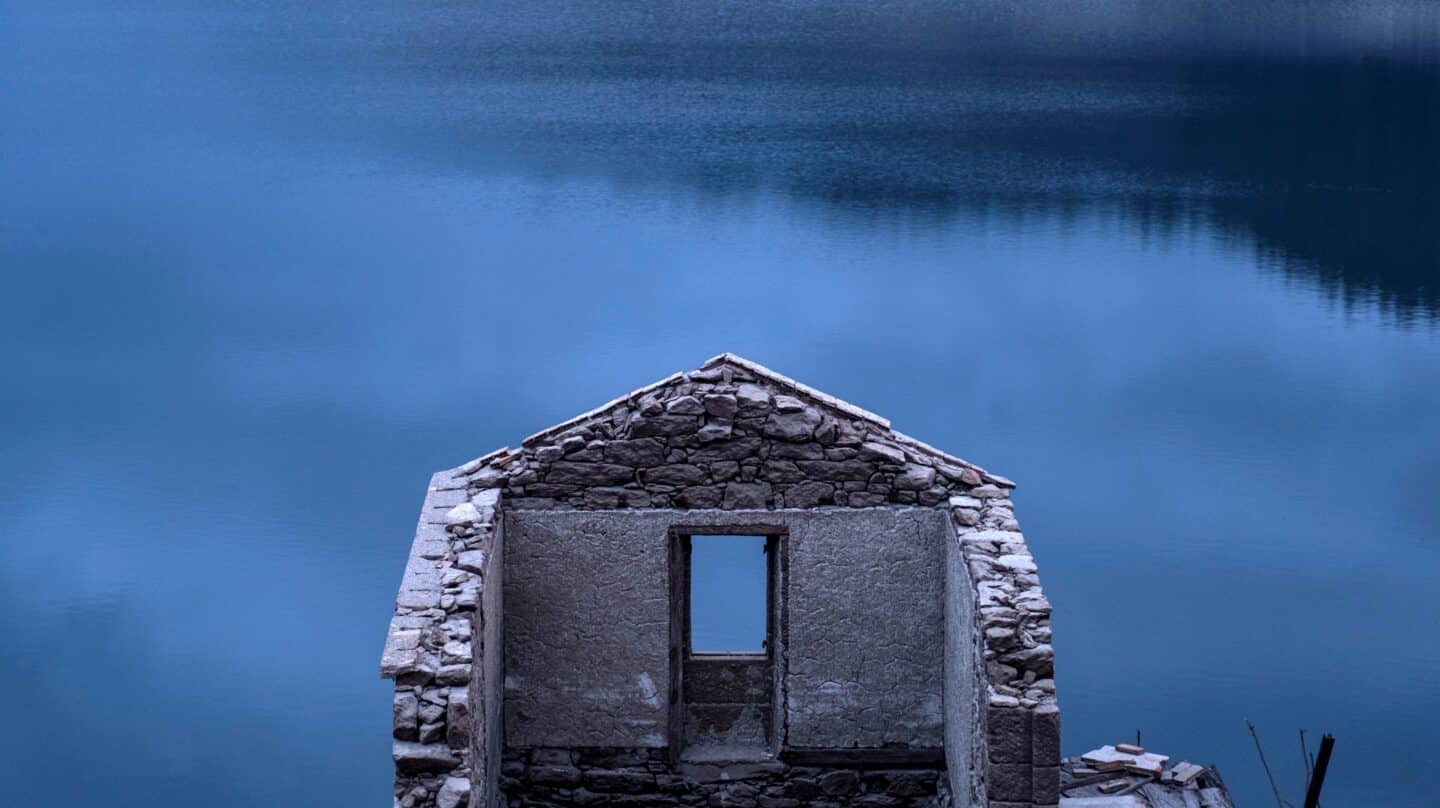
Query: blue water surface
<point>1172,266</point>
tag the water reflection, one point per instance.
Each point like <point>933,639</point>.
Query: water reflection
<point>266,267</point>
<point>1269,143</point>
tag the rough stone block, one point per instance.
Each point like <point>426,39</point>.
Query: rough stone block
<point>663,425</point>
<point>542,756</point>
<point>405,711</point>
<point>678,474</point>
<point>839,783</point>
<point>433,732</point>
<point>792,426</point>
<point>1008,731</point>
<point>1045,736</point>
<point>621,781</point>
<point>915,478</point>
<point>721,405</point>
<point>1009,782</point>
<point>417,758</point>
<point>418,598</point>
<point>1045,785</point>
<point>555,775</point>
<point>642,452</point>
<point>456,653</point>
<point>808,494</point>
<point>399,661</point>
<point>881,452</point>
<point>752,397</point>
<point>571,473</point>
<point>902,783</point>
<point>472,560</point>
<point>614,758</point>
<point>453,674</point>
<point>454,793</point>
<point>700,496</point>
<point>735,449</point>
<point>746,495</point>
<point>457,718</point>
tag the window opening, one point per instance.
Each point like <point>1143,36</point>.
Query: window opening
<point>728,594</point>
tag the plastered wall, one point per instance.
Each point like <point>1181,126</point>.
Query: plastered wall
<point>587,613</point>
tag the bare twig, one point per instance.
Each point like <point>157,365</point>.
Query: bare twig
<point>1253,734</point>
<point>1305,759</point>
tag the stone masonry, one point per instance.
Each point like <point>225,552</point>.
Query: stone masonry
<point>731,435</point>
<point>560,778</point>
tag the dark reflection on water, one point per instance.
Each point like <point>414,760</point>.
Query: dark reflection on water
<point>1325,160</point>
<point>1172,266</point>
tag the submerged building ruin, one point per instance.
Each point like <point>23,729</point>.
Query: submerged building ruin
<point>541,644</point>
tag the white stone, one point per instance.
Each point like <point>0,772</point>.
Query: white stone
<point>883,452</point>
<point>488,479</point>
<point>418,599</point>
<point>1018,563</point>
<point>455,793</point>
<point>751,396</point>
<point>998,536</point>
<point>403,639</point>
<point>458,628</point>
<point>1127,801</point>
<point>915,478</point>
<point>464,513</point>
<point>789,404</point>
<point>415,757</point>
<point>472,560</point>
<point>685,405</point>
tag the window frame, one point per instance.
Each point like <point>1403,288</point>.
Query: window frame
<point>777,539</point>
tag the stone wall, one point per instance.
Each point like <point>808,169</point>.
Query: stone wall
<point>443,651</point>
<point>587,625</point>
<point>1021,715</point>
<point>560,778</point>
<point>732,435</point>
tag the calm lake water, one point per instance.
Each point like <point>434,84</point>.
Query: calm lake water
<point>1174,267</point>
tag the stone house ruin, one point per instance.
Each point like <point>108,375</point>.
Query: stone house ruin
<point>541,644</point>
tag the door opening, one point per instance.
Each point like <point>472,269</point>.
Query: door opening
<point>725,620</point>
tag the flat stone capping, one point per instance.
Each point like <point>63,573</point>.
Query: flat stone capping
<point>432,650</point>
